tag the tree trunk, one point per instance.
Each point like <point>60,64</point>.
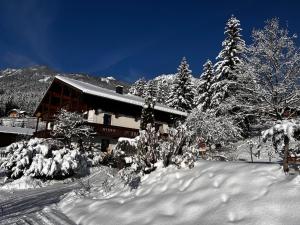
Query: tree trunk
<point>251,153</point>
<point>285,154</point>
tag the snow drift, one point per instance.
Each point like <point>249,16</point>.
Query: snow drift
<point>210,193</point>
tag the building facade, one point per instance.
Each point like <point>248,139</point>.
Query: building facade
<point>112,114</point>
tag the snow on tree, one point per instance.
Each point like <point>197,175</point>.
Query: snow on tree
<point>221,130</point>
<point>229,62</point>
<point>43,158</point>
<point>162,91</point>
<point>282,134</point>
<point>273,66</point>
<point>204,89</point>
<point>70,126</point>
<point>141,153</point>
<point>147,148</point>
<point>138,88</point>
<point>147,116</point>
<point>182,92</point>
<point>151,89</point>
<point>175,148</point>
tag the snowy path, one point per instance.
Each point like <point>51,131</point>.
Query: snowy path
<point>38,206</point>
<point>30,206</point>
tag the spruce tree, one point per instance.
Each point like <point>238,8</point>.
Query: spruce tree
<point>204,89</point>
<point>147,116</point>
<point>162,91</point>
<point>230,56</point>
<point>229,62</point>
<point>138,88</point>
<point>182,92</point>
<point>151,89</point>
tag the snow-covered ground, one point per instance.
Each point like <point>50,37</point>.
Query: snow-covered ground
<point>211,193</point>
<point>39,206</point>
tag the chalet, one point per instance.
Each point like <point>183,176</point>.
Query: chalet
<point>113,114</point>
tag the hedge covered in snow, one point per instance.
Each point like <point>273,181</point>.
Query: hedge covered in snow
<point>43,158</point>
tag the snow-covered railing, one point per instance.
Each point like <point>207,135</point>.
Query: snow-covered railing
<point>28,122</point>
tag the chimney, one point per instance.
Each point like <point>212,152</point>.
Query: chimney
<point>119,89</point>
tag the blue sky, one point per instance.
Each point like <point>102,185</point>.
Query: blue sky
<point>127,38</point>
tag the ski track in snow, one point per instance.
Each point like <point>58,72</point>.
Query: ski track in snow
<point>32,206</point>
<point>36,206</point>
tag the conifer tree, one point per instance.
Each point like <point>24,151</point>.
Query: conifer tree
<point>138,88</point>
<point>182,92</point>
<point>230,60</point>
<point>162,91</point>
<point>147,116</point>
<point>204,89</point>
<point>151,90</point>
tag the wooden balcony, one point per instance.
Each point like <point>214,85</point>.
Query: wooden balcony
<point>114,131</point>
<point>102,130</point>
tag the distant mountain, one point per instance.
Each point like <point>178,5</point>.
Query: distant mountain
<point>24,88</point>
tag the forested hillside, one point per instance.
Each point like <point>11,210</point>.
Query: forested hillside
<point>24,88</point>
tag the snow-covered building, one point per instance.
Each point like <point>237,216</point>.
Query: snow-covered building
<point>113,114</point>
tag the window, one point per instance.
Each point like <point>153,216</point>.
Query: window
<point>104,145</point>
<point>107,119</point>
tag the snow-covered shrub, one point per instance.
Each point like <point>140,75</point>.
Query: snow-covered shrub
<point>147,149</point>
<point>283,134</point>
<point>124,151</point>
<point>141,153</point>
<point>130,177</point>
<point>44,158</point>
<point>187,159</point>
<point>218,132</point>
<point>70,127</point>
<point>175,148</point>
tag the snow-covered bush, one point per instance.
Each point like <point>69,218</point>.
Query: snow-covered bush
<point>283,134</point>
<point>124,152</point>
<point>43,158</point>
<point>142,152</point>
<point>147,149</point>
<point>175,149</point>
<point>130,177</point>
<point>70,126</point>
<point>214,130</point>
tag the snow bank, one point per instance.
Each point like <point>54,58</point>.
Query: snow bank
<point>23,183</point>
<point>210,193</point>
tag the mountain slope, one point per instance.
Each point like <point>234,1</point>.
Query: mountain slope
<point>24,88</point>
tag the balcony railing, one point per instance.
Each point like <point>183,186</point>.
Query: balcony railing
<point>114,131</point>
<point>27,122</point>
<point>102,130</point>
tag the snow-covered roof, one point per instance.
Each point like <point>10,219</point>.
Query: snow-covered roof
<point>16,130</point>
<point>106,93</point>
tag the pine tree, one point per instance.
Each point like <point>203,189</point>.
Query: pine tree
<point>162,91</point>
<point>151,89</point>
<point>182,92</point>
<point>233,48</point>
<point>147,116</point>
<point>230,59</point>
<point>138,88</point>
<point>204,89</point>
